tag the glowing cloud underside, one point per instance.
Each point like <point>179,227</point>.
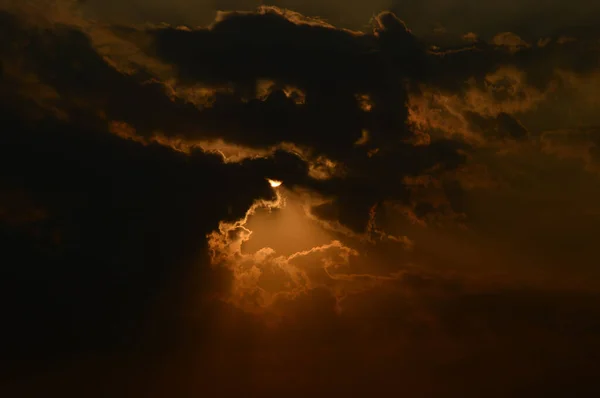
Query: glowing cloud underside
<point>273,271</point>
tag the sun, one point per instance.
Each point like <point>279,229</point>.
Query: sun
<point>274,183</point>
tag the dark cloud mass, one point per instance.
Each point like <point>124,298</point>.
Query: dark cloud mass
<point>439,18</point>
<point>267,203</point>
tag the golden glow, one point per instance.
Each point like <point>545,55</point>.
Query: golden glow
<point>274,183</point>
<point>278,252</point>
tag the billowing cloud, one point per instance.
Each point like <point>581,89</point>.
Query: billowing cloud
<point>432,233</point>
<point>436,18</point>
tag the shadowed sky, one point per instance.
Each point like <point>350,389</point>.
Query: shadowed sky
<point>432,232</point>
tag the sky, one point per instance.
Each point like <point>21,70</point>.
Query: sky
<point>292,198</point>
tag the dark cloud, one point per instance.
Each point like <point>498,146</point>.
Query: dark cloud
<point>63,58</point>
<point>352,85</point>
<point>333,68</point>
<point>120,221</point>
<point>99,231</point>
<point>330,66</point>
<point>428,17</point>
<point>106,285</point>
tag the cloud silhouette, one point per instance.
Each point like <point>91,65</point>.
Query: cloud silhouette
<point>437,236</point>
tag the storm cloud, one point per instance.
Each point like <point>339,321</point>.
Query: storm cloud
<point>432,232</point>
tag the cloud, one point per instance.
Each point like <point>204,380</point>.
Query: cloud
<point>100,230</point>
<point>335,70</point>
<point>306,92</point>
<point>267,276</point>
<point>120,220</point>
<point>494,81</point>
<point>262,124</point>
<point>438,229</point>
<point>285,108</point>
<point>425,17</point>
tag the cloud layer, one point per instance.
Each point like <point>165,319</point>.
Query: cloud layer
<point>434,233</point>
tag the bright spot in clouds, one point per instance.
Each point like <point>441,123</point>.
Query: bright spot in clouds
<point>274,183</point>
